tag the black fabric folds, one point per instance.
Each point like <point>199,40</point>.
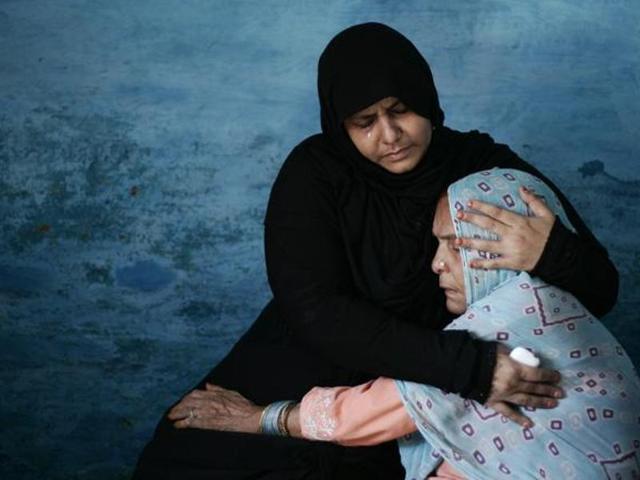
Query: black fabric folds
<point>348,243</point>
<point>348,247</point>
<point>360,66</point>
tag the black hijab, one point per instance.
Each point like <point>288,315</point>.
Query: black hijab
<point>362,65</point>
<point>385,218</point>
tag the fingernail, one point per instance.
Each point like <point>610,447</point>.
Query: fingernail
<point>551,403</point>
<point>470,203</point>
<point>559,394</point>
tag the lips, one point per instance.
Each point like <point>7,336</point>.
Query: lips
<point>447,289</point>
<point>398,154</point>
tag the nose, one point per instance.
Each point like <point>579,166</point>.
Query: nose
<point>438,264</point>
<point>391,131</point>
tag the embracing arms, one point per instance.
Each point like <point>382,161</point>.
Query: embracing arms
<point>309,273</point>
<point>310,276</point>
<point>366,414</point>
<point>575,262</point>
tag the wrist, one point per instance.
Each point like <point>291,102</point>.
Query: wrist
<point>255,420</point>
<point>293,422</point>
<point>274,418</point>
<point>556,251</point>
<point>484,372</point>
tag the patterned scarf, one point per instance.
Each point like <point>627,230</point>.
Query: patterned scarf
<point>593,433</point>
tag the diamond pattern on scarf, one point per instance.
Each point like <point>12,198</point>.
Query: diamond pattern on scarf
<point>595,430</point>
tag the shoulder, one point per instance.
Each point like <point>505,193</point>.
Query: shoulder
<point>314,161</point>
<point>477,150</point>
<point>316,156</point>
<point>311,179</point>
<point>468,138</point>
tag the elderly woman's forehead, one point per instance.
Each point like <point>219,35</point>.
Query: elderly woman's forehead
<point>443,204</point>
<point>442,224</point>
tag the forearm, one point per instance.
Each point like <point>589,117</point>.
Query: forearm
<point>368,414</point>
<point>580,266</point>
<point>310,274</point>
<point>380,345</point>
<point>576,262</point>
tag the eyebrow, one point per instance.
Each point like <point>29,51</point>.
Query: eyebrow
<point>366,116</point>
<point>394,104</point>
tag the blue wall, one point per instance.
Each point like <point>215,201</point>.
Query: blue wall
<point>138,142</point>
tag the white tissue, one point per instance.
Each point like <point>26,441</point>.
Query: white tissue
<point>524,356</point>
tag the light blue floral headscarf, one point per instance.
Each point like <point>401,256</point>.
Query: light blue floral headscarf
<point>593,433</point>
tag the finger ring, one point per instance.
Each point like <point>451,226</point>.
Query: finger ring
<point>191,414</point>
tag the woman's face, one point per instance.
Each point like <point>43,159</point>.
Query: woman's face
<point>447,263</point>
<point>389,134</point>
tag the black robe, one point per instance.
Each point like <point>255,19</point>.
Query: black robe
<point>348,247</point>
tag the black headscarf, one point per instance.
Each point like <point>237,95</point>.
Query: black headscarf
<point>385,218</point>
<point>362,65</point>
<point>384,215</point>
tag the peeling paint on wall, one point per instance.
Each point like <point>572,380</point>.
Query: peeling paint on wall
<point>138,144</point>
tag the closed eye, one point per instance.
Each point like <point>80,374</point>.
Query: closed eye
<point>399,109</point>
<point>365,124</point>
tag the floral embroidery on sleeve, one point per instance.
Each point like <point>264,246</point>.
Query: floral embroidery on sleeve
<point>317,414</point>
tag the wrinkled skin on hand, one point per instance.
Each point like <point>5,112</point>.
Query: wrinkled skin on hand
<point>216,408</point>
<point>517,384</point>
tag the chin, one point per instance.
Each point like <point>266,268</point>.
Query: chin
<point>401,167</point>
<point>457,308</point>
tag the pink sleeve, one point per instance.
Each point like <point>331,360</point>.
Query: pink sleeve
<point>367,414</point>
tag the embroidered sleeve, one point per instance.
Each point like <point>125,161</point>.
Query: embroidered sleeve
<point>367,414</point>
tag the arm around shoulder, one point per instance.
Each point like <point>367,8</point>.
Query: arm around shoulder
<point>309,273</point>
<point>575,262</point>
<point>580,264</point>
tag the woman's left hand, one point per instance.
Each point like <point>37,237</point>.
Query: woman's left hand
<point>216,408</point>
<point>522,238</point>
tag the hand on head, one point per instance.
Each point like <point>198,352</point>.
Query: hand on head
<point>522,238</point>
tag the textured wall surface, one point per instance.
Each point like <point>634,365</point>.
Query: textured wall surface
<point>138,142</point>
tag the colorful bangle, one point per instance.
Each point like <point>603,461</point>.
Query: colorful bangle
<point>284,418</point>
<point>264,410</point>
<point>270,421</point>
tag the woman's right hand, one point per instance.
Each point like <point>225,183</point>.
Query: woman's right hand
<point>216,408</point>
<point>517,384</point>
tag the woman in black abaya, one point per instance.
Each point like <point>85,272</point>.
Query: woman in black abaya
<point>348,247</point>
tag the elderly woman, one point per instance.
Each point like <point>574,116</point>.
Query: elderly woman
<point>594,433</point>
<point>348,244</point>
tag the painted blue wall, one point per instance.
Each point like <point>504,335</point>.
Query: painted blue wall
<point>138,142</point>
